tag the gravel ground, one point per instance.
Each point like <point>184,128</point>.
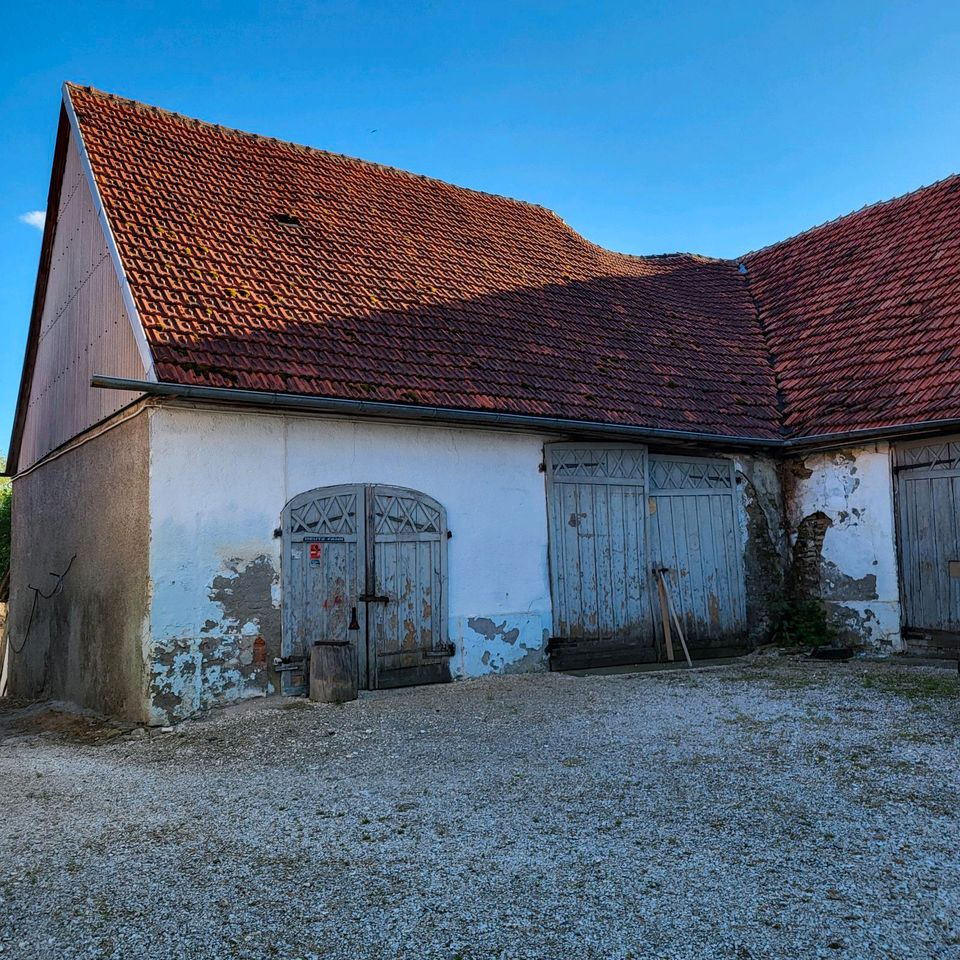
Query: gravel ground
<point>774,808</point>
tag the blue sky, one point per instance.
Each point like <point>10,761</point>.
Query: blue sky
<point>649,127</point>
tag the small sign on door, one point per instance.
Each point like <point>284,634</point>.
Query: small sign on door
<point>954,567</point>
<point>316,552</point>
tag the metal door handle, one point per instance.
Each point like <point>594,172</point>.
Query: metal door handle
<point>373,598</point>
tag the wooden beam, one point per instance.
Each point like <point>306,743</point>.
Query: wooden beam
<point>673,614</point>
<point>665,615</point>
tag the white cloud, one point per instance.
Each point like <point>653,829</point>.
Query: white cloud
<point>34,218</point>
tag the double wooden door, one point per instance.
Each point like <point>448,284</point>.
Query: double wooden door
<point>366,564</point>
<point>617,516</point>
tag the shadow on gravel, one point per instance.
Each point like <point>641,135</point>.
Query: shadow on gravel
<point>21,720</point>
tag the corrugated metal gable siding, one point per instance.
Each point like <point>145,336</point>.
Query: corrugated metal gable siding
<point>84,329</point>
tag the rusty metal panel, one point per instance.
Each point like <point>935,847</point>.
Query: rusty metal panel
<point>598,566</point>
<point>694,534</point>
<point>928,526</point>
<point>84,328</point>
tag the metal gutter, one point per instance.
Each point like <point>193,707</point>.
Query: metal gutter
<point>404,411</point>
<point>416,412</point>
<point>919,427</point>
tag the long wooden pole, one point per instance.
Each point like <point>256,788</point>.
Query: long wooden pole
<point>676,621</point>
<point>665,615</point>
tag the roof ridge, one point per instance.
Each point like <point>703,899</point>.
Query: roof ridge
<point>386,168</point>
<point>847,216</point>
<point>304,148</point>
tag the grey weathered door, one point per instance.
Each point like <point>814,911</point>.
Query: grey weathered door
<point>617,515</point>
<point>322,573</point>
<point>695,536</point>
<point>596,508</point>
<point>367,564</point>
<point>407,540</point>
<point>928,521</point>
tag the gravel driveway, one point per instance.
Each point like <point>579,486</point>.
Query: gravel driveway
<point>770,809</point>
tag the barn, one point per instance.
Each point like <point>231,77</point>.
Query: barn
<point>274,396</point>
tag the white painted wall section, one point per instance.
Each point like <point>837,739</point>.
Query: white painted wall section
<point>219,481</point>
<point>859,577</point>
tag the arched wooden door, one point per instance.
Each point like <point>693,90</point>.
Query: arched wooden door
<point>368,564</point>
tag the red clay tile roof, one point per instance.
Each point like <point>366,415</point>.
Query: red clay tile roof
<point>398,288</point>
<point>862,315</point>
<point>267,266</point>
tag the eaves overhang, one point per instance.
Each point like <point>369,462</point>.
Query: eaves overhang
<point>413,412</point>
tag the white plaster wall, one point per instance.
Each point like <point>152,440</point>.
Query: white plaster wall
<point>854,489</point>
<point>220,479</point>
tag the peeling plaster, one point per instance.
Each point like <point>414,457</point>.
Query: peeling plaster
<point>245,594</point>
<point>219,663</point>
<point>488,629</point>
<point>760,512</point>
<point>855,625</point>
<point>837,585</point>
<point>504,643</point>
<point>840,517</point>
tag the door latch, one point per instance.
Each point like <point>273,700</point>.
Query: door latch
<point>373,598</point>
<point>281,664</point>
<point>444,650</point>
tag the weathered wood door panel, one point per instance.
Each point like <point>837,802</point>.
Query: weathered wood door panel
<point>598,567</point>
<point>616,516</point>
<point>367,564</point>
<point>324,552</point>
<point>408,531</point>
<point>694,534</point>
<point>928,527</point>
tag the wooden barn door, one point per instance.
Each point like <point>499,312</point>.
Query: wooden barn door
<point>322,567</point>
<point>596,505</point>
<point>695,536</point>
<point>407,544</point>
<point>366,564</point>
<point>928,527</point>
<point>616,516</point>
